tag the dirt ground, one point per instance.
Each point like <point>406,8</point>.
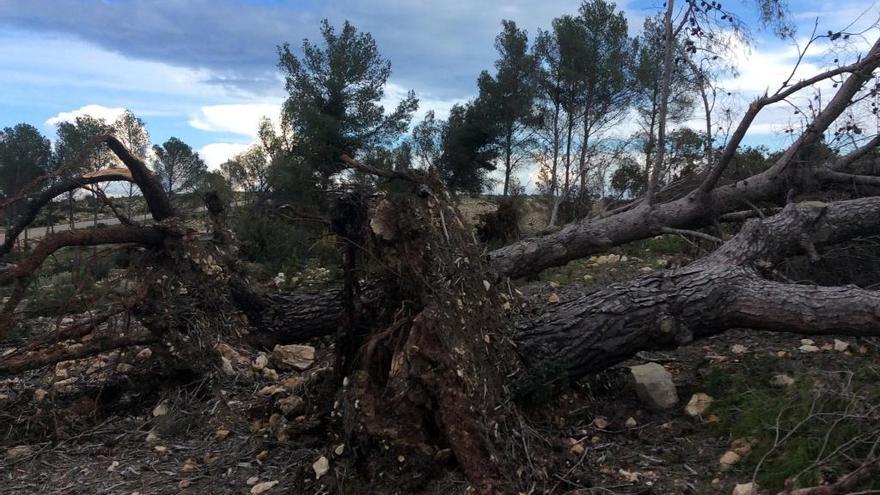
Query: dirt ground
<point>117,429</point>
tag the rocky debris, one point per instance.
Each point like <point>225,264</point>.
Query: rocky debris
<point>152,437</point>
<point>808,348</point>
<point>840,345</point>
<point>729,459</point>
<point>226,351</point>
<point>221,435</point>
<point>601,422</point>
<point>654,385</point>
<point>263,487</point>
<point>40,395</point>
<point>698,404</point>
<point>576,448</point>
<point>226,366</point>
<point>145,354</point>
<point>124,368</point>
<point>321,467</point>
<point>739,349</point>
<point>746,489</point>
<point>293,356</point>
<point>261,362</point>
<point>631,422</point>
<point>339,449</point>
<point>292,406</point>
<point>160,410</point>
<point>807,342</point>
<point>782,380</point>
<point>19,452</point>
<point>553,298</point>
<point>270,374</point>
<point>742,446</point>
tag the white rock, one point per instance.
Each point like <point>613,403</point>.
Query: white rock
<point>698,404</point>
<point>654,385</point>
<point>840,346</point>
<point>40,394</point>
<point>263,487</point>
<point>261,361</point>
<point>808,348</point>
<point>781,380</point>
<point>160,410</point>
<point>746,489</point>
<point>807,342</point>
<point>145,354</point>
<point>339,449</point>
<point>19,452</point>
<point>321,467</point>
<point>124,368</point>
<point>631,423</point>
<point>739,349</point>
<point>294,356</point>
<point>729,459</point>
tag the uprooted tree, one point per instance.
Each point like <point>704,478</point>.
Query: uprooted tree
<point>432,344</point>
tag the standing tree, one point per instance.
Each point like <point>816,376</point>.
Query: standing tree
<point>76,154</point>
<point>131,132</point>
<point>178,167</point>
<point>510,95</point>
<point>333,99</point>
<point>24,155</point>
<point>467,150</point>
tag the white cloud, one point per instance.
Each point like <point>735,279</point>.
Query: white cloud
<point>239,118</point>
<point>109,114</point>
<point>215,154</point>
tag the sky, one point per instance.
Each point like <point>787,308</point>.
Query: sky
<point>206,70</point>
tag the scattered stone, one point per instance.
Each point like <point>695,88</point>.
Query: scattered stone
<point>124,368</point>
<point>576,448</point>
<point>252,480</point>
<point>339,449</point>
<point>270,374</point>
<point>321,467</point>
<point>40,394</point>
<point>739,349</point>
<point>742,446</point>
<point>781,354</point>
<point>607,259</point>
<point>840,345</point>
<point>827,347</point>
<point>294,356</point>
<point>716,483</point>
<point>261,361</point>
<point>654,385</point>
<point>698,404</point>
<point>184,484</point>
<point>226,366</point>
<point>729,459</point>
<point>145,354</point>
<point>553,298</point>
<point>112,467</point>
<point>160,449</point>
<point>781,380</point>
<point>65,383</point>
<point>808,348</point>
<point>221,435</point>
<point>263,455</point>
<point>807,342</point>
<point>231,354</point>
<point>19,452</point>
<point>160,410</point>
<point>188,466</point>
<point>646,269</point>
<point>631,422</point>
<point>746,489</point>
<point>270,390</point>
<point>263,487</point>
<point>600,422</point>
<point>863,349</point>
<point>152,437</point>
<point>292,406</point>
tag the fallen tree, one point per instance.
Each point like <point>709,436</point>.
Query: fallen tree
<point>439,358</point>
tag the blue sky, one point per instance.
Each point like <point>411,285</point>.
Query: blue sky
<point>205,70</point>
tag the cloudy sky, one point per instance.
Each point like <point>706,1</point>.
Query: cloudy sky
<point>205,70</point>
